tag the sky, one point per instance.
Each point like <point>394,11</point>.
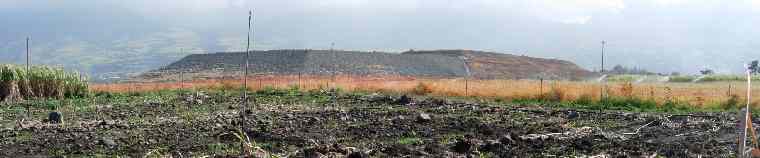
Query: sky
<point>658,35</point>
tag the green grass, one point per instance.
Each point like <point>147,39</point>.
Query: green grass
<point>623,78</point>
<point>713,78</point>
<point>612,103</point>
<point>409,141</point>
<point>681,78</point>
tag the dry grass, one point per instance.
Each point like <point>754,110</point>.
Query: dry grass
<point>697,94</point>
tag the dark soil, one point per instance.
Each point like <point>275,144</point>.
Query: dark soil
<point>305,125</point>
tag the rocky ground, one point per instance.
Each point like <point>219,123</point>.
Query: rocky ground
<point>315,124</point>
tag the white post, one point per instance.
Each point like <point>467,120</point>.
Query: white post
<point>743,144</point>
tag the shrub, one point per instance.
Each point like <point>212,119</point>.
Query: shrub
<point>584,100</point>
<point>556,94</point>
<point>731,103</point>
<point>626,89</point>
<point>623,78</point>
<point>681,79</point>
<point>422,89</point>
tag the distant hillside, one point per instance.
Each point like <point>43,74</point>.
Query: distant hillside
<point>489,65</point>
<point>436,63</point>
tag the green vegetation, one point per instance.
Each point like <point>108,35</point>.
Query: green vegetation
<point>40,82</point>
<point>712,78</point>
<point>624,78</point>
<point>613,103</point>
<point>681,78</point>
<point>409,141</point>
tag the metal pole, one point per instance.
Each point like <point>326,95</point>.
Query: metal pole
<point>745,122</point>
<point>27,55</point>
<point>467,74</point>
<point>28,111</point>
<point>604,84</point>
<point>181,74</point>
<point>245,79</point>
<point>335,68</point>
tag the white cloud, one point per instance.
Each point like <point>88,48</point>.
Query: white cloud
<point>573,12</point>
<point>754,4</point>
<point>577,20</point>
<point>669,3</point>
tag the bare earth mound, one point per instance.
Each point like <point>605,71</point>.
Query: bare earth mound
<point>435,63</point>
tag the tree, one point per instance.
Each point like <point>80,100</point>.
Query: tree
<point>706,72</point>
<point>618,69</point>
<point>753,67</point>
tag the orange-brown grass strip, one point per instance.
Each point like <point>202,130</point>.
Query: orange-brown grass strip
<point>697,94</point>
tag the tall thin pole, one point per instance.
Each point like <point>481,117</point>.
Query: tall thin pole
<point>602,70</point>
<point>28,112</point>
<point>181,73</point>
<point>27,55</point>
<point>247,55</point>
<point>245,79</point>
<point>335,68</point>
<point>747,121</point>
<point>467,75</point>
<point>604,86</point>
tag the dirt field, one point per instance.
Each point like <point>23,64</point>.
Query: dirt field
<point>311,124</point>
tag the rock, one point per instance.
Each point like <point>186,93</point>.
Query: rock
<point>493,146</point>
<point>403,100</point>
<point>438,101</point>
<point>339,148</point>
<point>463,146</point>
<point>108,142</point>
<point>375,97</point>
<point>358,154</point>
<point>107,122</point>
<point>423,117</point>
<point>572,114</point>
<point>312,153</point>
<point>151,104</point>
<point>201,95</point>
<point>398,119</point>
<point>260,153</point>
<point>507,139</point>
<point>55,117</point>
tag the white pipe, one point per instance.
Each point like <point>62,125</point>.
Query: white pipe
<point>746,114</point>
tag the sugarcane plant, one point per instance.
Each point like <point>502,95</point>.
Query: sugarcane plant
<point>40,82</point>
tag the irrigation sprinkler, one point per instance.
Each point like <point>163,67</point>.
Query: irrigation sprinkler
<point>466,75</point>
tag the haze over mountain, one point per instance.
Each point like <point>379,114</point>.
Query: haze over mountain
<point>99,36</point>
